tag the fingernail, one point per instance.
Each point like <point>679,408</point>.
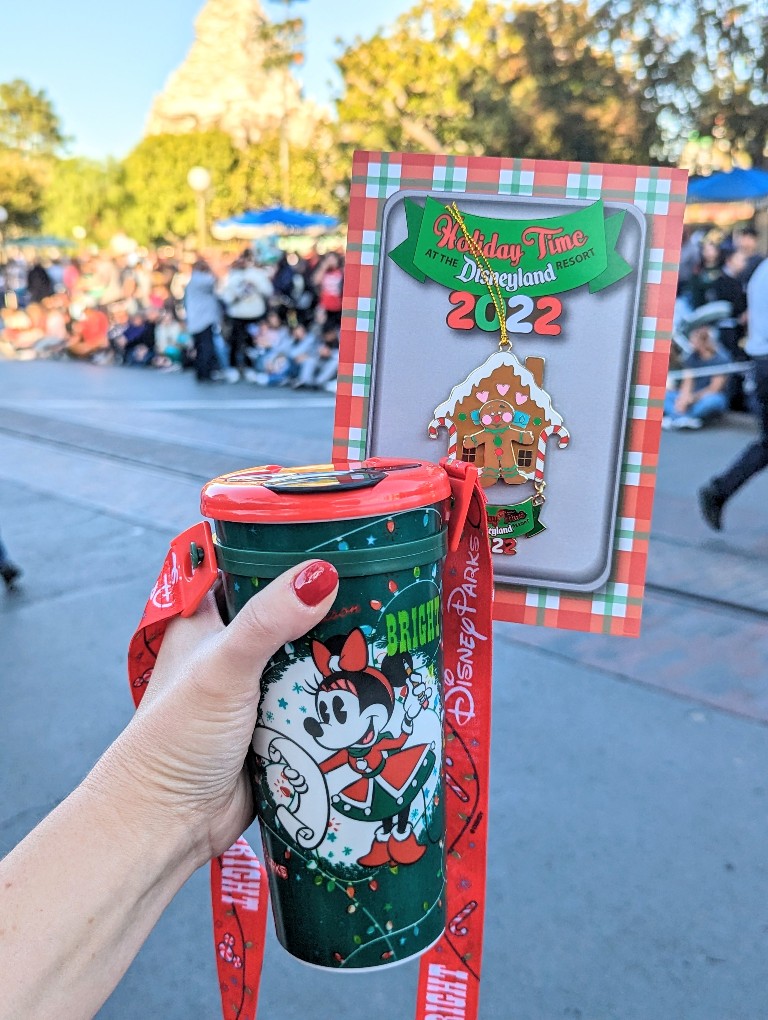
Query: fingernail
<point>315,582</point>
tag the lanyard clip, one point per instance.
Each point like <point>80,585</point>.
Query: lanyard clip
<point>463,478</point>
<point>195,558</point>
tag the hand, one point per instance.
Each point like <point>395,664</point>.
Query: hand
<point>296,780</point>
<point>186,746</point>
<point>417,698</point>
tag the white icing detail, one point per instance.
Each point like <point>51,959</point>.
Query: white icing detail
<point>498,359</point>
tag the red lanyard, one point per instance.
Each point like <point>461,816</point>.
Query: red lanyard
<point>449,973</point>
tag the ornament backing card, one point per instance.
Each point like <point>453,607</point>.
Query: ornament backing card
<point>604,372</point>
<point>586,373</point>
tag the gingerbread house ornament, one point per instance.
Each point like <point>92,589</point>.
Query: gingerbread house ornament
<point>500,418</point>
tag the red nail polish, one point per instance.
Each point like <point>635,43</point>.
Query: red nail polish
<point>315,581</point>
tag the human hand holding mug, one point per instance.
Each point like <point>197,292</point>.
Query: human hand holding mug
<point>187,743</point>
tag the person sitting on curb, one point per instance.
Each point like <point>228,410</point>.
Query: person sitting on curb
<point>271,335</point>
<point>89,335</point>
<point>284,364</point>
<point>700,398</point>
<point>320,367</point>
<point>86,887</point>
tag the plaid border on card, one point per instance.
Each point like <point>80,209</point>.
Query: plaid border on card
<point>659,193</point>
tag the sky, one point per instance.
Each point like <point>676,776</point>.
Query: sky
<point>101,62</point>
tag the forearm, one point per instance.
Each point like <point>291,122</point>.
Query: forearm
<point>80,894</point>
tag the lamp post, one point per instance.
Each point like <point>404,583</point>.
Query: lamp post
<point>3,280</point>
<point>199,180</point>
<point>3,221</point>
<point>291,45</point>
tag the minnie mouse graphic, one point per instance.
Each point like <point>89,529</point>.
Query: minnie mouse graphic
<point>354,702</point>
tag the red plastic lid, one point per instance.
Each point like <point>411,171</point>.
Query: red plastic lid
<point>324,492</point>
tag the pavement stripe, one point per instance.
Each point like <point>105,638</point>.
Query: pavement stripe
<point>167,405</point>
<point>146,495</point>
<point>90,432</point>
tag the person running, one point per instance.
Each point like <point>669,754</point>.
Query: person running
<point>715,494</point>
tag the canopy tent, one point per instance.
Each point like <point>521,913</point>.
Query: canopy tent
<point>731,186</point>
<point>275,220</point>
<point>39,242</point>
<point>725,215</point>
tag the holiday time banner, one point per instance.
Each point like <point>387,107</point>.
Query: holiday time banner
<point>561,252</point>
<point>517,315</point>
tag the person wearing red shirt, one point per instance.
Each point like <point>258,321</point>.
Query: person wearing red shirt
<point>89,334</point>
<point>329,280</point>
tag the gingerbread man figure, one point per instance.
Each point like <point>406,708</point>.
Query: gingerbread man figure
<point>497,436</point>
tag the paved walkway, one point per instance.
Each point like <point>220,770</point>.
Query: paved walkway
<point>629,785</point>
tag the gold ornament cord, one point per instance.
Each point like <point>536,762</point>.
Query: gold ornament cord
<point>498,303</point>
<point>493,288</point>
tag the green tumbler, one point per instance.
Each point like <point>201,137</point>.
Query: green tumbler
<point>347,755</point>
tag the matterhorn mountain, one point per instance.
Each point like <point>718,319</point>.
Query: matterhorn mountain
<point>223,83</point>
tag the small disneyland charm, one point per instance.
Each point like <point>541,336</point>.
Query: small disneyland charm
<point>500,419</point>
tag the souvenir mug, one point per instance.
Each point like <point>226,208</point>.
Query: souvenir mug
<point>347,755</point>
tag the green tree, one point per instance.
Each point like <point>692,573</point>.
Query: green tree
<point>30,137</point>
<point>22,186</point>
<point>493,78</point>
<point>550,90</point>
<point>698,66</point>
<point>159,203</point>
<point>315,171</point>
<point>85,193</point>
<point>402,87</point>
<point>28,123</point>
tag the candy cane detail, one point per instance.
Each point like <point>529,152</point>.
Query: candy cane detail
<point>445,423</point>
<point>564,438</point>
<point>455,926</point>
<point>454,784</point>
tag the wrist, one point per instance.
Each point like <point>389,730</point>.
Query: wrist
<point>133,807</point>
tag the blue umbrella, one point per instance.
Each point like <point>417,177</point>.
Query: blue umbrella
<point>731,186</point>
<point>276,220</point>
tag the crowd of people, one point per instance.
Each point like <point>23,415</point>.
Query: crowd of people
<point>712,326</point>
<point>227,318</point>
<point>276,322</point>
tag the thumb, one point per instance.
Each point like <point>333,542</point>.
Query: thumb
<point>284,610</point>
